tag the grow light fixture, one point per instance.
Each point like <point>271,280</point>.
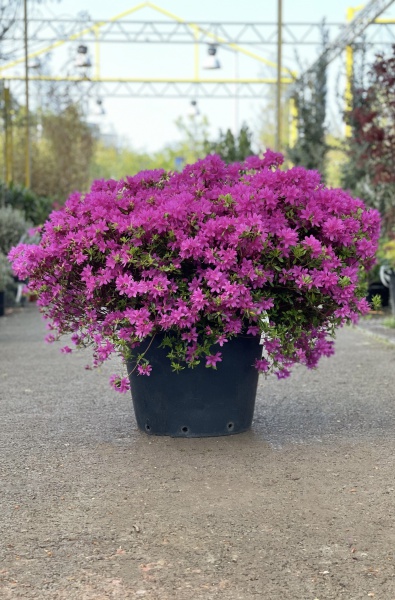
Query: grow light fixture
<point>82,59</point>
<point>212,61</point>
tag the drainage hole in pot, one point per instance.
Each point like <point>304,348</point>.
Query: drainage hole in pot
<point>147,427</point>
<point>231,426</point>
<point>184,429</point>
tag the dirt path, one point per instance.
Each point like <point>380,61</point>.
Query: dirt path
<point>300,508</point>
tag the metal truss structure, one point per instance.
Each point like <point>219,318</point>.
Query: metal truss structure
<point>154,88</point>
<point>359,22</point>
<point>44,31</point>
<point>120,29</point>
<point>164,32</point>
<point>246,38</point>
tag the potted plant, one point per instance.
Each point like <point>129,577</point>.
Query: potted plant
<point>375,286</point>
<point>13,226</point>
<point>184,274</point>
<point>5,279</point>
<point>388,270</point>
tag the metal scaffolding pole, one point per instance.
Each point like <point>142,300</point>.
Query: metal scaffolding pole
<point>279,61</point>
<point>27,124</point>
<point>9,175</point>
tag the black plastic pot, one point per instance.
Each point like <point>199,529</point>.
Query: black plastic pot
<point>2,304</point>
<point>199,402</point>
<point>377,288</point>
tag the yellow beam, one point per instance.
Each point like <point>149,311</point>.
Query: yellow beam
<point>278,87</point>
<point>350,70</point>
<point>144,79</point>
<point>8,137</point>
<point>27,109</point>
<point>293,127</point>
<point>348,91</point>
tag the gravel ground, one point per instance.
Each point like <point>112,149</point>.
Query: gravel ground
<point>300,508</point>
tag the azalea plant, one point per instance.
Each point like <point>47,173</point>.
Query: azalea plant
<point>202,256</point>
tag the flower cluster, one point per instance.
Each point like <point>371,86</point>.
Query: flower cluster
<point>204,255</point>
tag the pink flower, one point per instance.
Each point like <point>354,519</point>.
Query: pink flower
<point>221,340</point>
<point>66,350</point>
<point>313,244</point>
<point>288,237</point>
<point>144,370</point>
<point>212,359</point>
<point>198,299</point>
<point>190,336</point>
<point>366,248</point>
<point>262,365</point>
<point>333,228</point>
<point>283,373</point>
<point>253,330</point>
<point>120,384</point>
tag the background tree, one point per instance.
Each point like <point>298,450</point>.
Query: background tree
<point>8,13</point>
<point>231,148</point>
<point>34,208</point>
<point>335,159</point>
<point>63,155</point>
<point>62,147</point>
<point>194,132</point>
<point>370,171</point>
<point>13,226</point>
<point>267,122</point>
<point>311,147</point>
<point>353,171</point>
<point>116,160</point>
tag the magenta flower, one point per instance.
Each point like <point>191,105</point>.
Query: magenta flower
<point>221,340</point>
<point>144,370</point>
<point>190,336</point>
<point>288,237</point>
<point>283,373</point>
<point>120,384</point>
<point>311,243</point>
<point>262,365</point>
<point>253,330</point>
<point>66,350</point>
<point>212,359</point>
<point>333,228</point>
<point>198,299</point>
